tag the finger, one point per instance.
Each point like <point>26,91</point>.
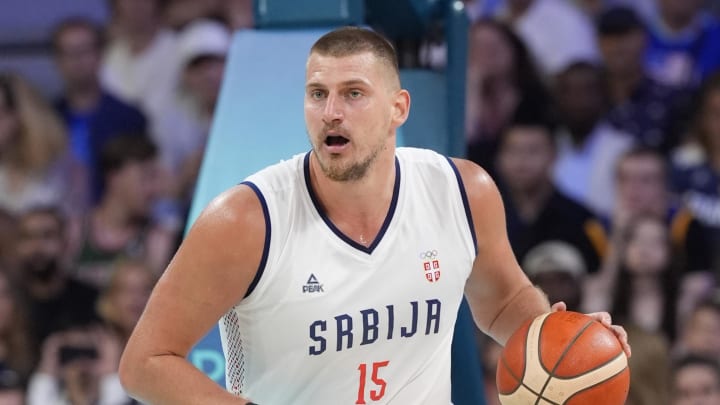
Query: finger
<point>559,306</point>
<point>622,336</point>
<point>602,317</point>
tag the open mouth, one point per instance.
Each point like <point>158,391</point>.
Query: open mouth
<point>336,140</point>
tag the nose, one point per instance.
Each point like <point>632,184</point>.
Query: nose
<point>333,111</point>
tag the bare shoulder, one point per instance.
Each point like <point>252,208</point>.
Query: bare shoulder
<point>478,184</point>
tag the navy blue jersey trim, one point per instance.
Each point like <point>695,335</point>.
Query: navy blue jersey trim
<point>465,201</point>
<point>336,231</point>
<point>266,247</point>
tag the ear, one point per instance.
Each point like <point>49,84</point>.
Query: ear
<point>401,107</point>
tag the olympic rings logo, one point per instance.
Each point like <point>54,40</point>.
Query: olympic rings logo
<point>430,254</point>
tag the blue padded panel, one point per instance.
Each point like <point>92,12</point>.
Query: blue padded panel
<point>425,127</point>
<point>312,13</point>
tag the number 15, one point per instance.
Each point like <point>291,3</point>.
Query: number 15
<point>375,395</point>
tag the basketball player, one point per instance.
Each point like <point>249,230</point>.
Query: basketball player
<point>336,275</point>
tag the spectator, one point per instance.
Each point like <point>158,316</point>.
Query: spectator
<point>17,357</point>
<point>684,46</point>
<point>558,269</point>
<point>55,301</point>
<point>646,291</point>
<point>587,145</point>
<point>124,299</point>
<point>140,64</point>
<point>177,14</point>
<point>696,381</point>
<point>36,167</point>
<point>649,367</point>
<point>646,109</point>
<point>701,332</point>
<point>239,14</point>
<point>182,133</point>
<point>8,227</point>
<point>555,46</point>
<point>78,367</point>
<point>536,211</point>
<point>500,76</point>
<point>92,115</point>
<point>697,166</point>
<point>121,225</point>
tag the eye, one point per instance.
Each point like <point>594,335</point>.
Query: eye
<point>354,94</point>
<point>317,94</point>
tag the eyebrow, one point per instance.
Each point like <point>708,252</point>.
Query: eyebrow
<point>347,83</point>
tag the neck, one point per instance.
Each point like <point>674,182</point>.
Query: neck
<point>83,97</point>
<point>358,208</point>
<point>646,284</point>
<point>530,201</point>
<point>623,84</point>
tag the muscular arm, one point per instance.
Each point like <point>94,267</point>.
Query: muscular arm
<point>501,297</point>
<point>209,274</point>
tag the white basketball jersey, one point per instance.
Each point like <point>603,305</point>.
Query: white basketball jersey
<point>330,321</point>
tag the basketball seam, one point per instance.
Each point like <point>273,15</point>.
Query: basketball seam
<point>522,384</point>
<point>551,373</point>
<point>595,385</point>
<point>594,368</point>
<point>504,360</point>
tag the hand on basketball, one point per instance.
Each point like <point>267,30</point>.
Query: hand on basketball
<point>605,319</point>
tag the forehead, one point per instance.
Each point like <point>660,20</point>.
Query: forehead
<point>327,69</point>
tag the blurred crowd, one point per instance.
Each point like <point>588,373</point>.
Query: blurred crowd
<point>598,119</point>
<point>600,122</point>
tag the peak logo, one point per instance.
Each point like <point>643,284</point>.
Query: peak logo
<point>312,285</point>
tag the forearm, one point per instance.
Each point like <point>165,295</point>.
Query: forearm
<point>171,379</point>
<point>528,303</point>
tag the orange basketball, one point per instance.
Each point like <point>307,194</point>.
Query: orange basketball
<point>563,358</point>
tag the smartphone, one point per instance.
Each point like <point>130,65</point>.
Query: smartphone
<point>69,354</point>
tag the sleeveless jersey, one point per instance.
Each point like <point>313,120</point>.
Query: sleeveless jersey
<point>330,321</point>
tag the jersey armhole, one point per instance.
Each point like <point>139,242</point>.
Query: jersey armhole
<point>266,247</point>
<point>466,203</point>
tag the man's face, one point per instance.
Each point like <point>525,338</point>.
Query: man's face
<point>696,385</point>
<point>623,53</point>
<point>203,78</point>
<point>641,185</point>
<point>702,333</point>
<point>136,184</point>
<point>526,157</point>
<point>39,245</point>
<point>353,105</point>
<point>579,96</point>
<point>78,56</point>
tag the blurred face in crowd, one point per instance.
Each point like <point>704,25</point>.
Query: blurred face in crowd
<point>9,124</point>
<point>526,157</point>
<point>559,286</point>
<point>647,250</point>
<point>641,184</point>
<point>579,95</point>
<point>702,332</point>
<point>129,293</point>
<point>78,56</point>
<point>39,246</point>
<point>696,385</point>
<point>490,52</point>
<point>623,54</point>
<point>711,120</point>
<point>135,183</point>
<point>680,10</point>
<point>203,78</point>
<point>138,14</point>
